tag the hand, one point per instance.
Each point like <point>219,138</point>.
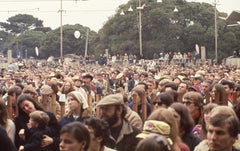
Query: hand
<point>46,141</point>
<point>21,134</point>
<point>21,148</point>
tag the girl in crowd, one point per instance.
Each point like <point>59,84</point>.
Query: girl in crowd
<point>74,137</point>
<point>165,115</point>
<point>6,122</point>
<point>77,108</point>
<point>185,125</point>
<point>27,105</point>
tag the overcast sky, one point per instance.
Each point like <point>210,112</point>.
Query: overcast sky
<point>91,13</point>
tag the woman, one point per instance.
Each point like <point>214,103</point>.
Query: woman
<point>27,105</point>
<point>67,87</point>
<point>185,125</point>
<point>74,137</point>
<point>6,122</point>
<point>205,120</point>
<point>218,95</point>
<point>162,100</point>
<point>194,102</point>
<point>166,116</point>
<point>77,108</point>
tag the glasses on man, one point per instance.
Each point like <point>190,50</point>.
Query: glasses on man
<point>187,102</point>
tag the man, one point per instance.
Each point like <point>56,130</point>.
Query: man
<point>123,135</point>
<point>222,132</point>
<point>133,82</point>
<point>229,88</point>
<point>99,133</point>
<point>206,86</point>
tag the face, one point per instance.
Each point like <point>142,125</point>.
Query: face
<point>27,106</point>
<point>213,93</point>
<point>69,143</point>
<point>190,105</point>
<point>227,89</point>
<point>32,123</point>
<point>67,86</point>
<point>219,138</point>
<point>93,139</point>
<point>205,87</point>
<point>109,114</point>
<point>182,88</point>
<point>73,103</point>
<point>136,97</point>
<point>206,118</point>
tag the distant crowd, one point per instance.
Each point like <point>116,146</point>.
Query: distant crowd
<point>125,105</point>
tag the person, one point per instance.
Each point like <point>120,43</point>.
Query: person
<point>205,120</point>
<point>6,122</point>
<point>5,142</point>
<point>74,137</point>
<point>133,118</point>
<point>77,108</point>
<point>227,134</point>
<point>123,135</point>
<point>26,105</point>
<point>218,95</point>
<point>154,142</point>
<point>162,100</point>
<point>99,133</point>
<point>222,132</point>
<point>185,125</point>
<point>37,128</point>
<point>194,102</point>
<point>165,115</point>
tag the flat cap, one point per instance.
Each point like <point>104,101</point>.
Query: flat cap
<point>112,99</point>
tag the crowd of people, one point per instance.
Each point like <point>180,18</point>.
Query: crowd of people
<point>128,106</point>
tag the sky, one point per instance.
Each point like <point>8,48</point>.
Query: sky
<point>90,13</point>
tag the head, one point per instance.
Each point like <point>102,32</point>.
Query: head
<point>112,109</point>
<point>165,115</point>
<point>26,105</point>
<point>99,131</point>
<point>39,119</point>
<point>206,86</point>
<point>222,132</point>
<point>74,137</point>
<point>183,117</point>
<point>194,102</point>
<point>218,94</point>
<point>137,94</point>
<point>228,86</point>
<point>154,142</point>
<point>162,100</point>
<point>77,102</point>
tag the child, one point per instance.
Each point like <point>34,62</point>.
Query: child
<point>37,128</point>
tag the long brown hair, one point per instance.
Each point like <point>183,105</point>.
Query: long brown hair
<point>3,114</point>
<point>166,115</point>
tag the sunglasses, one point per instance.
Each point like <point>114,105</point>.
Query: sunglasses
<point>157,102</point>
<point>187,102</point>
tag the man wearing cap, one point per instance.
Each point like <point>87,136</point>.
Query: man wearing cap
<point>123,135</point>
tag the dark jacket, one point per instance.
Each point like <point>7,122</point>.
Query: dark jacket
<point>191,141</point>
<point>127,140</point>
<point>21,123</point>
<point>34,138</point>
<point>5,142</point>
<point>70,119</point>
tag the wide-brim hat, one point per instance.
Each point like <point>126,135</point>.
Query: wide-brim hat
<point>89,76</point>
<point>154,126</point>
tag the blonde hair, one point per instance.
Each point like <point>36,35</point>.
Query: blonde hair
<point>40,117</point>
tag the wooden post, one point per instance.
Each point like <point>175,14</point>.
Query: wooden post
<point>62,104</point>
<point>90,110</point>
<point>207,97</point>
<point>9,107</point>
<point>54,104</point>
<point>144,107</point>
<point>135,104</point>
<point>98,98</point>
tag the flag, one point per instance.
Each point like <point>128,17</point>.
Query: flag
<point>197,48</point>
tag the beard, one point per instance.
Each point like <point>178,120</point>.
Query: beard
<point>111,120</point>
